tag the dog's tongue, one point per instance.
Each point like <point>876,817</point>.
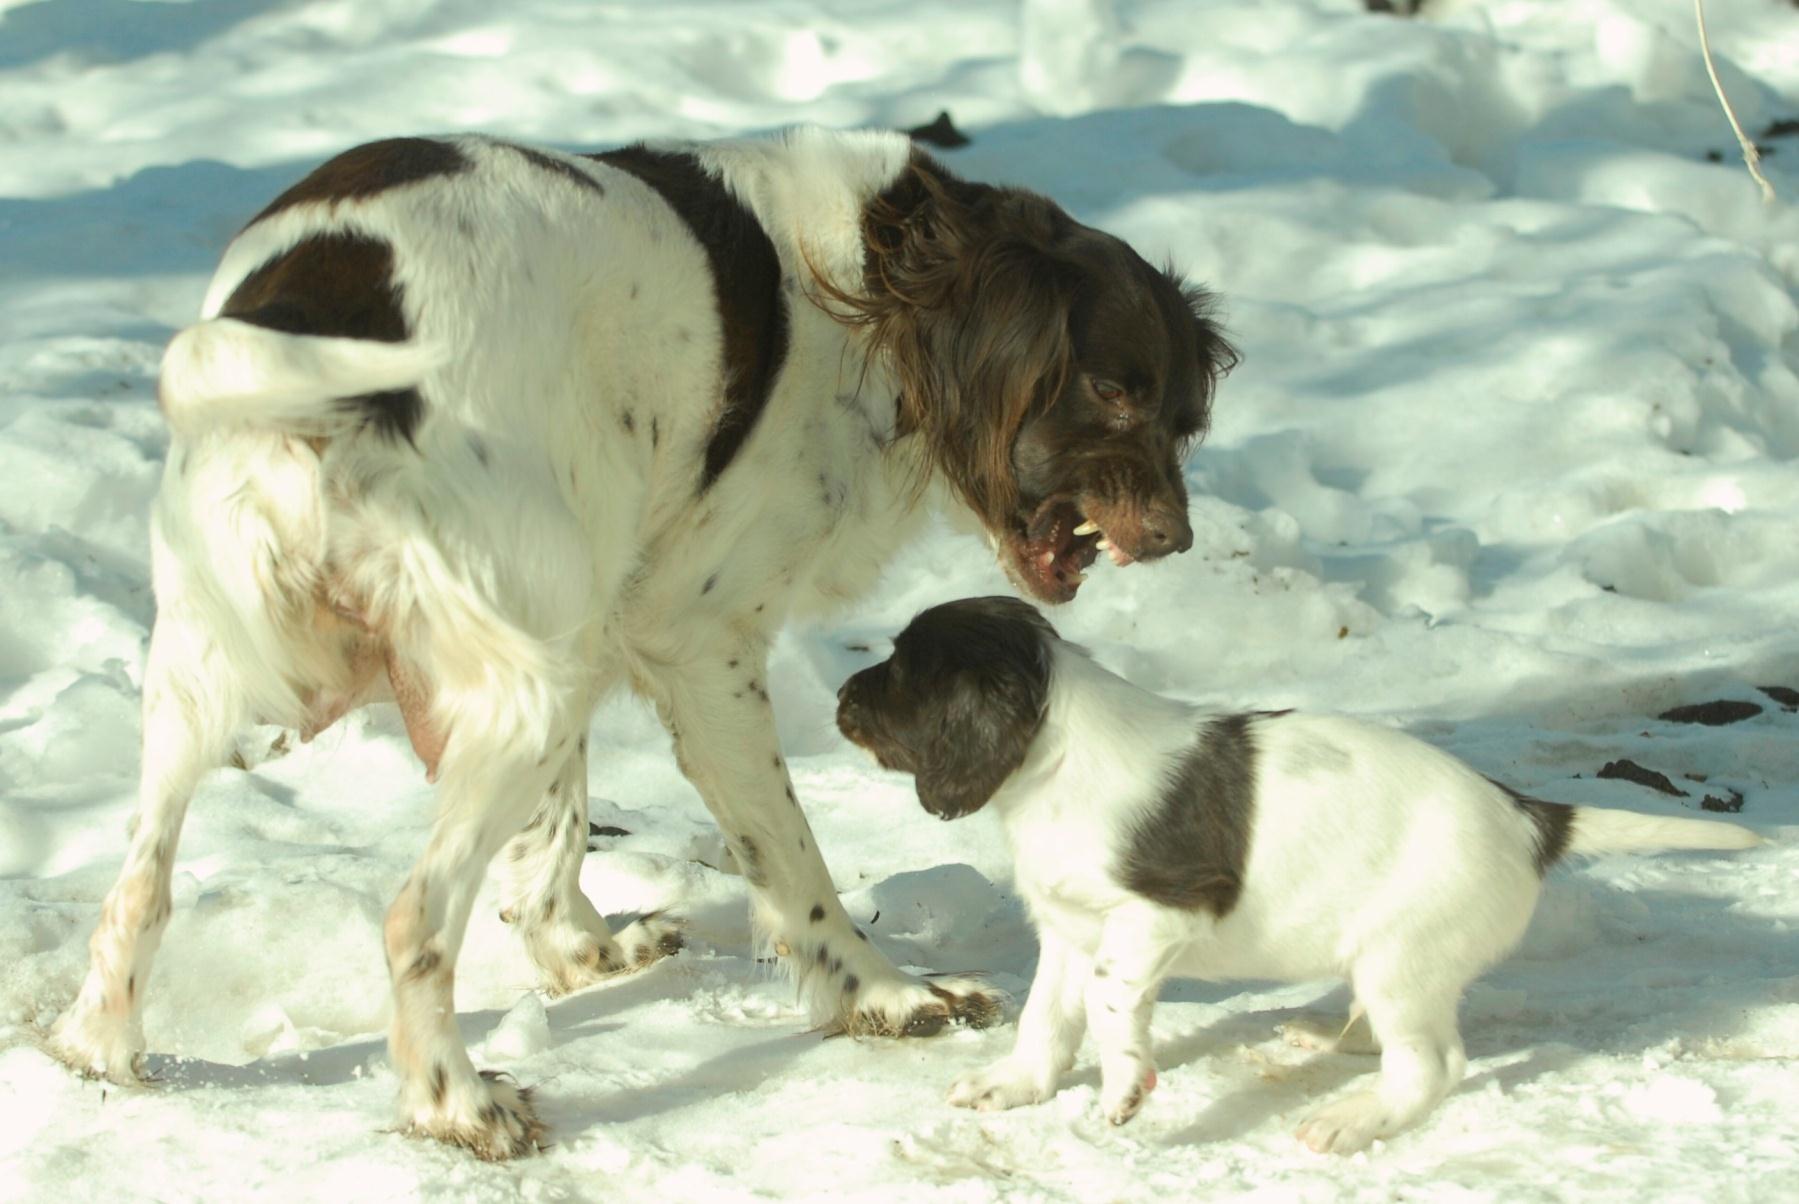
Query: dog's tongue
<point>1050,525</point>
<point>1055,556</point>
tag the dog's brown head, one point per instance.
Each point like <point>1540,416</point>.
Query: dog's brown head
<point>959,701</point>
<point>1057,379</point>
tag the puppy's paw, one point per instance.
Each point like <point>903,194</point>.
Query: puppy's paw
<point>1005,1084</point>
<point>1124,1088</point>
<point>1346,1126</point>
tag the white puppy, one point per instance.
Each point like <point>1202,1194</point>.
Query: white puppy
<point>1154,839</point>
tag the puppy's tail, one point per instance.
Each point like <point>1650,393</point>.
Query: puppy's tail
<point>223,372</point>
<point>1600,830</point>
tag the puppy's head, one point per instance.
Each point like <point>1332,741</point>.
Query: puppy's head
<point>959,701</point>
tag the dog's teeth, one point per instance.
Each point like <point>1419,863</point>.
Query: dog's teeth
<point>1104,545</point>
<point>1047,559</point>
<point>1087,528</point>
<point>1076,578</point>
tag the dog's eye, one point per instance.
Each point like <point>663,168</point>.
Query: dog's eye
<point>1106,390</point>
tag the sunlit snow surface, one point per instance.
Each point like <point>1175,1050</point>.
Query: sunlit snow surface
<point>1509,463</point>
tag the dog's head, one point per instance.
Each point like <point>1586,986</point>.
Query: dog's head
<point>1057,378</point>
<point>959,701</point>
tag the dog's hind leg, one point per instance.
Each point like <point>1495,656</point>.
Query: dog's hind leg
<point>191,711</point>
<point>1421,1061</point>
<point>717,708</point>
<point>565,936</point>
<point>511,713</point>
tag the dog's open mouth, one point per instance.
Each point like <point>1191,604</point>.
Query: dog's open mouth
<point>1053,547</point>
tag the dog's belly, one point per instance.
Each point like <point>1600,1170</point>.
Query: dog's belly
<point>1226,951</point>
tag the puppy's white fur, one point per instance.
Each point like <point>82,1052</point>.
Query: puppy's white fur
<point>1373,857</point>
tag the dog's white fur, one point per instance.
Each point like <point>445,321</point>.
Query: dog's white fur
<point>527,558</point>
<point>1373,857</point>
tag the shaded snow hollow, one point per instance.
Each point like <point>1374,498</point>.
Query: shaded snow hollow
<point>1509,462</point>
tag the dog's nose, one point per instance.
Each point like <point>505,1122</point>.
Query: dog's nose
<point>1165,532</point>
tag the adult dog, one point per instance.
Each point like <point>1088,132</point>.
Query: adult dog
<point>498,429</point>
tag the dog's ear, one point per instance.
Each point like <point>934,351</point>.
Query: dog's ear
<point>983,731</point>
<point>972,311</point>
<point>1216,354</point>
<point>987,700</point>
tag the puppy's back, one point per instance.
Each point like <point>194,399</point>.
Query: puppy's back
<point>1363,835</point>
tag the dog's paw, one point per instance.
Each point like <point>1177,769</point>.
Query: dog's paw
<point>650,938</point>
<point>1346,1126</point>
<point>490,1116</point>
<point>1124,1088</point>
<point>96,1045</point>
<point>571,958</point>
<point>1005,1084</point>
<point>911,1007</point>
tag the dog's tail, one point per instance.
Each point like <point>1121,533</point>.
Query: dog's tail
<point>224,372</point>
<point>1601,830</point>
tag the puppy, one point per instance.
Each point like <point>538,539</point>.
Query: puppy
<point>1153,838</point>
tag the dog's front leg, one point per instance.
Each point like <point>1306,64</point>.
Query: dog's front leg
<point>1136,949</point>
<point>1049,1035</point>
<point>716,707</point>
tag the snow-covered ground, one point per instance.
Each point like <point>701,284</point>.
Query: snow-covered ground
<point>1509,462</point>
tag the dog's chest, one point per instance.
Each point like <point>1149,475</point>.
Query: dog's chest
<point>806,515</point>
<point>1062,854</point>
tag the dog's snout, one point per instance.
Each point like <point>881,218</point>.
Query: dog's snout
<point>1166,533</point>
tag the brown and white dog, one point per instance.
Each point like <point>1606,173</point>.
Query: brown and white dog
<point>496,430</point>
<point>1155,839</point>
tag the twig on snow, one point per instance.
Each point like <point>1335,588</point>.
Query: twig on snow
<point>1752,158</point>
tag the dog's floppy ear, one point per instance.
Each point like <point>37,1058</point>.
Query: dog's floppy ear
<point>972,311</point>
<point>987,703</point>
<point>985,729</point>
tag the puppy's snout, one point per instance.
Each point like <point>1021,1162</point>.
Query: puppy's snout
<point>848,711</point>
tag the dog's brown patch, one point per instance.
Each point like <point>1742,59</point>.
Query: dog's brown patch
<point>369,170</point>
<point>338,285</point>
<point>746,279</point>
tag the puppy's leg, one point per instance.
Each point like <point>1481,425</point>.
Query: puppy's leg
<point>1136,949</point>
<point>717,709</point>
<point>191,710</point>
<point>1421,1059</point>
<point>565,935</point>
<point>1049,1035</point>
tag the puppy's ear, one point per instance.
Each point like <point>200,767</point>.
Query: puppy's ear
<point>984,731</point>
<point>988,707</point>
